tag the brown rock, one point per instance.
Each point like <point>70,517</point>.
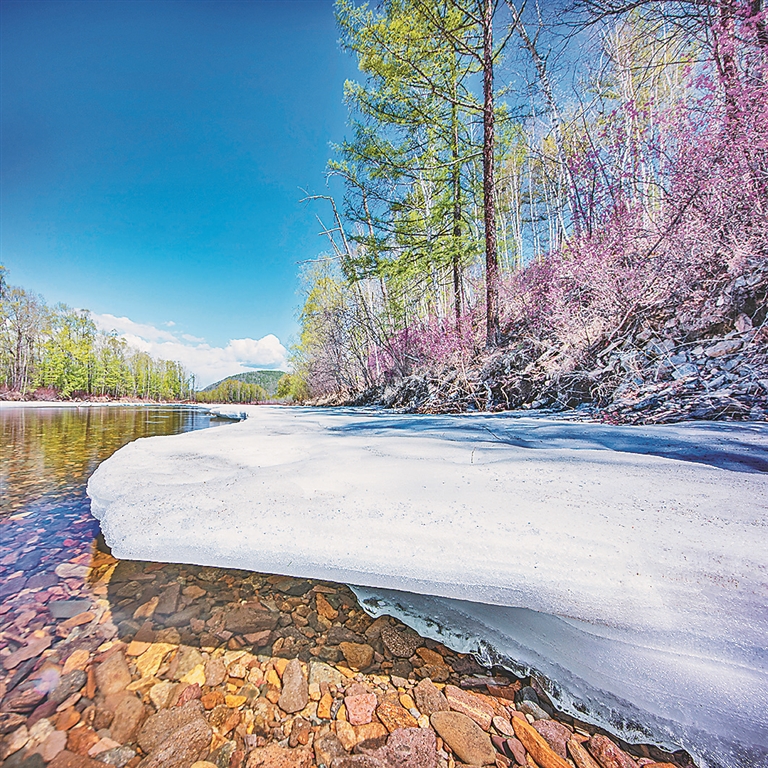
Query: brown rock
<point>437,672</point>
<point>328,748</point>
<point>68,759</point>
<point>157,726</point>
<point>555,734</point>
<point>393,715</point>
<point>169,600</point>
<point>608,754</point>
<point>358,655</point>
<point>182,747</point>
<point>469,742</point>
<point>246,619</point>
<point>215,672</point>
<point>410,748</point>
<point>300,732</point>
<point>129,715</point>
<point>22,700</point>
<point>112,675</point>
<point>470,705</point>
<point>400,642</point>
<point>541,752</point>
<point>429,698</point>
<point>67,719</point>
<point>295,694</point>
<point>325,609</point>
<point>580,756</point>
<point>81,739</point>
<point>360,708</point>
<point>185,660</point>
<point>212,699</point>
<point>33,648</point>
<point>274,756</point>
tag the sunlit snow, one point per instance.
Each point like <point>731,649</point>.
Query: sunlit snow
<point>626,564</point>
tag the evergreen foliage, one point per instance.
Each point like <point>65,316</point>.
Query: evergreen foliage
<point>267,380</point>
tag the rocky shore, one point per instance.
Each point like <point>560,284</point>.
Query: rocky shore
<point>705,358</point>
<point>122,663</point>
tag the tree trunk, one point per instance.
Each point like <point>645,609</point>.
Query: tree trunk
<point>489,191</point>
<point>456,181</point>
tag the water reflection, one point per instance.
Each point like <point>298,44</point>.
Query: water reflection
<point>47,454</point>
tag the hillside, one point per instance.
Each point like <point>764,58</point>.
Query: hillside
<point>266,379</point>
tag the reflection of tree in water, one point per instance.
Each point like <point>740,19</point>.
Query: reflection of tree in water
<point>47,454</point>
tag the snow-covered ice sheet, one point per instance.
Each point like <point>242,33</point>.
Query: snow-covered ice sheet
<point>638,554</point>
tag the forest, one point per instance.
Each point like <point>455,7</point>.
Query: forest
<point>546,204</point>
<point>57,352</point>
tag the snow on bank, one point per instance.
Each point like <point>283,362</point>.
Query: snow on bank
<point>639,553</point>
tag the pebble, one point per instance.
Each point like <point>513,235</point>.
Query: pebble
<point>360,708</point>
<point>608,754</point>
<point>113,675</point>
<point>470,705</point>
<point>555,734</point>
<point>295,693</point>
<point>357,655</point>
<point>181,747</point>
<point>393,715</point>
<point>402,643</point>
<point>465,737</point>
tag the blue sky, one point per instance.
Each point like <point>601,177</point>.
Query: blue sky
<point>153,155</point>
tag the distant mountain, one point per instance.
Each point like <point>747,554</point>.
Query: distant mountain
<point>266,379</point>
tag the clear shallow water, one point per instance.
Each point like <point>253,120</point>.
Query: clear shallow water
<point>46,458</point>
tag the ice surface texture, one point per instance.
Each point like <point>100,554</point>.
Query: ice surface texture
<point>645,547</point>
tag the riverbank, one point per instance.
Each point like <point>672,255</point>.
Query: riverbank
<point>150,664</point>
<point>702,357</point>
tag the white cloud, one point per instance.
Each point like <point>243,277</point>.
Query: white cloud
<point>124,325</point>
<point>208,363</point>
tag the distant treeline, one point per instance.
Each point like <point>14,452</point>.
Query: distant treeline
<point>59,352</point>
<point>233,391</point>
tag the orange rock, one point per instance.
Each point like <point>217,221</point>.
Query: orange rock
<point>608,754</point>
<point>580,756</point>
<point>393,715</point>
<point>77,621</point>
<point>430,657</point>
<point>371,732</point>
<point>212,699</point>
<point>470,705</point>
<point>90,685</point>
<point>324,608</point>
<point>81,739</point>
<point>541,752</point>
<point>324,706</point>
<point>67,719</point>
<point>77,660</point>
